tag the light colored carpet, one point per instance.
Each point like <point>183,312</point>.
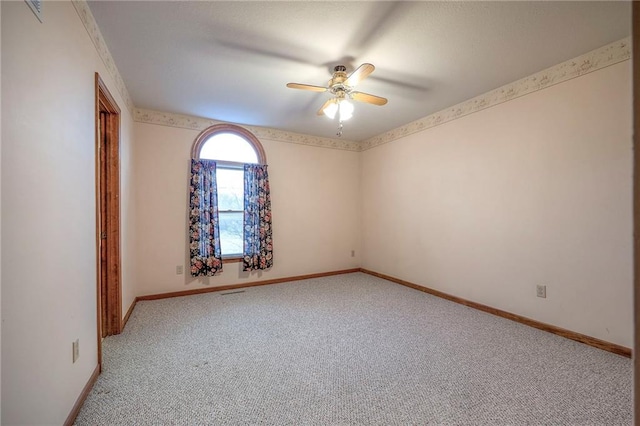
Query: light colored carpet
<point>347,350</point>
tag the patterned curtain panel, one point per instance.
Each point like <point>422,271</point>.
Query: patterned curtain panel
<point>258,246</point>
<point>204,233</point>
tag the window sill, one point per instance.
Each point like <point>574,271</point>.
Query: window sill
<point>231,259</point>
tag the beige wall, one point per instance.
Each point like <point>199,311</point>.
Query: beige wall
<point>0,215</point>
<point>49,211</point>
<point>314,197</point>
<point>127,211</point>
<point>533,191</point>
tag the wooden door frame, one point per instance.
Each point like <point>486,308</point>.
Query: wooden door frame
<point>106,103</point>
<point>635,66</point>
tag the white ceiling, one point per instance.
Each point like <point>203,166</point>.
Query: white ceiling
<point>230,61</point>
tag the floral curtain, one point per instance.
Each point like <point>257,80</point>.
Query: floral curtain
<point>204,233</point>
<point>258,245</point>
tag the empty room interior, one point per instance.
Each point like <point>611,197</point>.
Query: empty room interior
<point>331,213</point>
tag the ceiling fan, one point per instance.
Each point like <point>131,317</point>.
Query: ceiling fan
<point>341,87</point>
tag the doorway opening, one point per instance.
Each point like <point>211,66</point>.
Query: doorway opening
<point>109,299</point>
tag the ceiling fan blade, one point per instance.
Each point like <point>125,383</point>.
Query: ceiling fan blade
<point>326,104</point>
<point>371,99</point>
<point>359,74</point>
<point>306,87</point>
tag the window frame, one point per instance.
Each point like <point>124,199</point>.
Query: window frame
<point>245,134</point>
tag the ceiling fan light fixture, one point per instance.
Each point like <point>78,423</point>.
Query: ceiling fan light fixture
<point>346,110</point>
<point>331,109</point>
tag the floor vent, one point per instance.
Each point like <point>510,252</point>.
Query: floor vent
<point>232,292</point>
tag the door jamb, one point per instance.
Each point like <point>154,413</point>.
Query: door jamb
<point>635,66</point>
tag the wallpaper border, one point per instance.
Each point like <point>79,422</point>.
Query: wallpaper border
<point>602,57</point>
<point>198,123</point>
<point>90,24</point>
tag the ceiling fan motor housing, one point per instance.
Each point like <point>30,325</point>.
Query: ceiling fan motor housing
<point>336,85</point>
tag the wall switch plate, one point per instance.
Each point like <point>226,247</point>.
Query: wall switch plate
<point>75,346</point>
<point>541,291</point>
<point>179,270</point>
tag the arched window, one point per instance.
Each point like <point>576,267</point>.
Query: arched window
<point>228,143</point>
<point>231,147</point>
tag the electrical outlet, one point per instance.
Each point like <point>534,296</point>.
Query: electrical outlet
<point>541,291</point>
<point>75,346</point>
<point>179,270</point>
<point>353,253</point>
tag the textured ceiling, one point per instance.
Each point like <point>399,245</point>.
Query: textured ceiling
<point>230,61</point>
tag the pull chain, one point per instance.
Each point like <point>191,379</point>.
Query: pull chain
<point>339,129</point>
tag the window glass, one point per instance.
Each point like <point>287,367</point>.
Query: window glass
<point>229,147</point>
<point>230,189</point>
<point>231,233</point>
